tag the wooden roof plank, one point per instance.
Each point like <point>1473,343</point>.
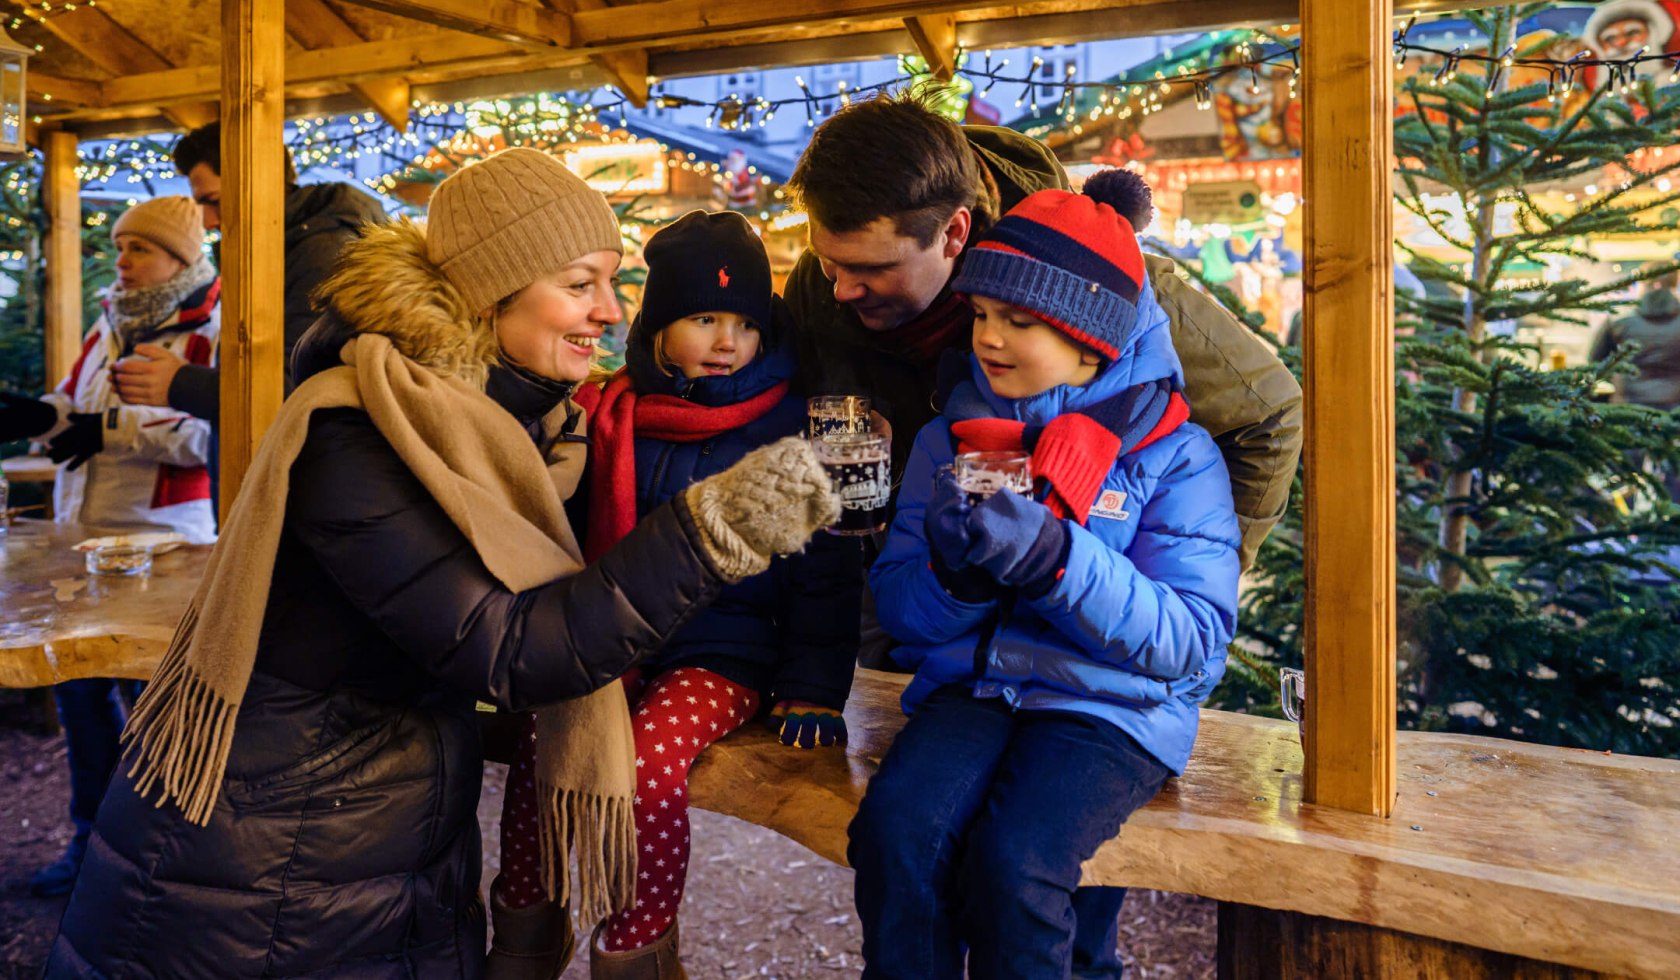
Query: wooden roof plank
<point>106,43</point>
<point>315,25</point>
<point>64,91</point>
<point>628,70</point>
<point>350,63</point>
<point>507,20</point>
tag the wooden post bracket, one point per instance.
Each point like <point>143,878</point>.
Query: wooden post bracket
<point>936,39</point>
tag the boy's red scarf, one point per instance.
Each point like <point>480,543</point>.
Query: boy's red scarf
<point>617,417</point>
<point>1073,453</point>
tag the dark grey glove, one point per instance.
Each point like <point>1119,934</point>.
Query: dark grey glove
<point>81,442</point>
<point>24,418</point>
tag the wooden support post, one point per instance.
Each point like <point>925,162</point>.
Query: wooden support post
<point>253,179</point>
<point>936,39</point>
<point>61,193</point>
<point>1348,359</point>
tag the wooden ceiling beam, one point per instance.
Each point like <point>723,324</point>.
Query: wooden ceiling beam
<point>315,25</point>
<point>349,64</point>
<point>53,90</point>
<point>106,43</point>
<point>507,20</point>
<point>628,70</point>
<point>936,39</point>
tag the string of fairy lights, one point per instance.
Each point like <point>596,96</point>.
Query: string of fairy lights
<point>40,11</point>
<point>441,135</point>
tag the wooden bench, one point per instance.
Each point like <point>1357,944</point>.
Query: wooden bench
<point>1540,855</point>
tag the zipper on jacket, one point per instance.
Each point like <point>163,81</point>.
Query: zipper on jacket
<point>657,485</point>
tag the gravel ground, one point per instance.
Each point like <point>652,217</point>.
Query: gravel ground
<point>758,905</point>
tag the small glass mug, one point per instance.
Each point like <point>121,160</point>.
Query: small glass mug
<point>1292,693</point>
<point>982,474</point>
<point>120,559</point>
<point>860,464</point>
<point>837,413</point>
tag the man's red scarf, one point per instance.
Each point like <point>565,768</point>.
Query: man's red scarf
<point>616,417</point>
<point>932,332</point>
<point>1073,453</point>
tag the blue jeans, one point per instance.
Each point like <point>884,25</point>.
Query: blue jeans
<point>92,713</point>
<point>973,832</point>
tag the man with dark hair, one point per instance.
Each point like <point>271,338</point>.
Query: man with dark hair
<point>319,219</point>
<point>894,193</point>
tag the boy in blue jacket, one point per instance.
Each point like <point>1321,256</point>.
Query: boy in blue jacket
<point>1061,644</point>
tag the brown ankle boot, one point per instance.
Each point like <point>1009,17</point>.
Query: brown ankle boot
<point>532,943</point>
<point>655,961</point>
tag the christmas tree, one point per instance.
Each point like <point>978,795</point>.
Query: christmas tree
<point>1537,578</point>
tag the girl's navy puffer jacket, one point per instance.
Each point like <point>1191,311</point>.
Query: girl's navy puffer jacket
<point>791,632</point>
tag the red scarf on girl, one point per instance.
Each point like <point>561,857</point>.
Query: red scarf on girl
<point>617,417</point>
<point>1073,453</point>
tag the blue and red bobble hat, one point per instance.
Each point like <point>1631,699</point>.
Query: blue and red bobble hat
<point>1069,260</point>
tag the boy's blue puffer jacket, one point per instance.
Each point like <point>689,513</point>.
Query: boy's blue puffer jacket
<point>792,631</point>
<point>1135,631</point>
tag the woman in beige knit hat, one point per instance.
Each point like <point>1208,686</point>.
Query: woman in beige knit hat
<point>299,796</point>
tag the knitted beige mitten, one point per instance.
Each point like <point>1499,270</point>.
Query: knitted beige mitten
<point>770,503</point>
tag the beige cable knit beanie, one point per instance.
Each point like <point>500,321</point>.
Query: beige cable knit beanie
<point>498,225</point>
<point>174,223</point>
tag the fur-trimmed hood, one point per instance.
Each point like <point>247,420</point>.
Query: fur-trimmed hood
<point>384,284</point>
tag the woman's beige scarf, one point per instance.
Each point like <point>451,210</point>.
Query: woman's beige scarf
<point>482,468</point>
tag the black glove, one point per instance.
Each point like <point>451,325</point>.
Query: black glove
<point>81,442</point>
<point>24,418</point>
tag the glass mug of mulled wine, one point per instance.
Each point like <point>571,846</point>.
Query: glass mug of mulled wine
<point>860,466</point>
<point>837,414</point>
<point>979,475</point>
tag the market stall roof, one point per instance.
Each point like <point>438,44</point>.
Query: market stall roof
<point>129,66</point>
<point>1053,123</point>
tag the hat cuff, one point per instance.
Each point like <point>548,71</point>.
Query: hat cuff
<point>540,243</point>
<point>672,305</point>
<point>1087,312</point>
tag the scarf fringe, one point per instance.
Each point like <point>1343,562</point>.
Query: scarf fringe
<point>602,831</point>
<point>180,731</point>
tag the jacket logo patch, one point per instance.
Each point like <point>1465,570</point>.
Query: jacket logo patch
<point>723,277</point>
<point>1111,504</point>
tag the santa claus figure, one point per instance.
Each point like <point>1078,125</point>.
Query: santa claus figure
<point>1622,28</point>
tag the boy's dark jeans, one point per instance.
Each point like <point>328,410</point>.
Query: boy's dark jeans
<point>973,832</point>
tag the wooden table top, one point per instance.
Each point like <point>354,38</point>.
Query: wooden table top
<point>59,623</point>
<point>29,469</point>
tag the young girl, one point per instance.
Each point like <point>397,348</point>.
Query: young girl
<point>705,382</point>
<point>1061,644</point>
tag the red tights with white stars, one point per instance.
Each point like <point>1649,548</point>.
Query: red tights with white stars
<point>676,716</point>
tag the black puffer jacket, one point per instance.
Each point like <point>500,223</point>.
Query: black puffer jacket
<point>345,842</point>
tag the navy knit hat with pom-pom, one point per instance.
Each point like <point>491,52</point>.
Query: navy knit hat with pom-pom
<point>1070,260</point>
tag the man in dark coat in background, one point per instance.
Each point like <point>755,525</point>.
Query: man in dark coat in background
<point>319,219</point>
